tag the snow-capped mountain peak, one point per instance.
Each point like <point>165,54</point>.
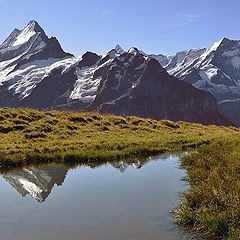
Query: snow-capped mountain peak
<point>25,58</point>
<point>119,49</point>
<point>219,43</point>
<point>133,50</point>
<point>36,72</point>
<point>11,39</point>
<point>21,43</point>
<point>215,69</point>
<point>33,26</point>
<point>24,36</point>
<point>20,37</point>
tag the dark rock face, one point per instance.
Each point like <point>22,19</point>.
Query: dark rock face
<point>121,75</point>
<point>35,72</point>
<point>161,96</point>
<point>89,59</point>
<point>51,91</point>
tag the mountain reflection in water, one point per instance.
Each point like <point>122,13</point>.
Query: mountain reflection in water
<point>39,181</point>
<point>119,200</point>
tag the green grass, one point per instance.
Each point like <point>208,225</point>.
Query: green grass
<point>29,136</point>
<point>210,207</point>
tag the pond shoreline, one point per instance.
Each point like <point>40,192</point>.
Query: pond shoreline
<point>123,189</point>
<point>210,207</point>
<point>29,136</point>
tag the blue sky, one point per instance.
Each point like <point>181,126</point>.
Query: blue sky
<point>155,26</point>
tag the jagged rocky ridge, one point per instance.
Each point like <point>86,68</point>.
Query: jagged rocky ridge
<point>36,72</point>
<point>215,70</point>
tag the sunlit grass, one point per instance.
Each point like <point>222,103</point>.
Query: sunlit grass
<point>212,205</point>
<point>29,136</point>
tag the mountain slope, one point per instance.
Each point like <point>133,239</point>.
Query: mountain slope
<point>215,70</point>
<point>35,72</point>
<point>150,91</point>
<point>25,58</point>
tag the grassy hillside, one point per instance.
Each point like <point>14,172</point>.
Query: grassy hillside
<point>29,136</point>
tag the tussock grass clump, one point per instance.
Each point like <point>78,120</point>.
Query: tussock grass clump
<point>135,121</point>
<point>8,128</point>
<point>33,135</point>
<point>2,118</point>
<point>170,124</point>
<point>78,119</point>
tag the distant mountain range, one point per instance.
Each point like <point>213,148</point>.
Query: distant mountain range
<point>215,70</point>
<point>36,72</point>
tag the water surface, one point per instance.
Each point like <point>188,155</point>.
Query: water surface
<point>117,201</point>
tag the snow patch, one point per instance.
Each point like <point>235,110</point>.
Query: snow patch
<point>25,79</point>
<point>86,86</point>
<point>211,72</point>
<point>111,54</point>
<point>31,188</point>
<point>216,45</point>
<point>25,35</point>
<point>133,51</point>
